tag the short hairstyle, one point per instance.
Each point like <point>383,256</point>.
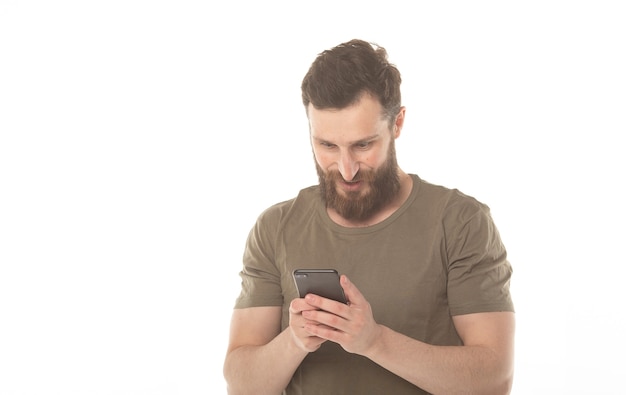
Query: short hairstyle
<point>341,75</point>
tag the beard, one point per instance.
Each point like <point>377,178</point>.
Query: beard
<point>384,185</point>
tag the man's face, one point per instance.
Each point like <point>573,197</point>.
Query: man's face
<point>362,202</point>
<point>355,158</point>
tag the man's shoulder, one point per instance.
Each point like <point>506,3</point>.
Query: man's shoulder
<point>446,199</point>
<point>442,191</point>
<point>304,202</point>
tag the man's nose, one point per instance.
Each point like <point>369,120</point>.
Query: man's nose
<point>348,167</point>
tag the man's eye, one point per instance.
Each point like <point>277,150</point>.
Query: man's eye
<point>363,145</point>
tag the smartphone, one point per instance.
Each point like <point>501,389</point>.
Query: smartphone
<point>322,282</point>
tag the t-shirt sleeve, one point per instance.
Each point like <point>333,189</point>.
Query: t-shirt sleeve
<point>479,273</point>
<point>260,278</point>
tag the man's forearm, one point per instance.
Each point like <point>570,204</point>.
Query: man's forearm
<point>264,369</point>
<point>443,369</point>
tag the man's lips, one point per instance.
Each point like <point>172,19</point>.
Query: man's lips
<point>349,186</point>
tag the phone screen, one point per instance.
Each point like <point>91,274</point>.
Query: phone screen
<point>322,282</point>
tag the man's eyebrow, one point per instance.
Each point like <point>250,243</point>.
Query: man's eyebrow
<point>367,138</point>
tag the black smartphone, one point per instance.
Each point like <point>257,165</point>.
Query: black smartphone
<point>322,282</point>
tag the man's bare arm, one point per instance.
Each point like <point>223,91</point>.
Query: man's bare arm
<point>483,365</point>
<point>260,358</point>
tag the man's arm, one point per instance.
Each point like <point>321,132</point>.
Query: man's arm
<point>261,359</point>
<point>483,365</point>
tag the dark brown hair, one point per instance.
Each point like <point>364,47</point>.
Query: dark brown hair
<point>340,76</point>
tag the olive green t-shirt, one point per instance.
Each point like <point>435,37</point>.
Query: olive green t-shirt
<point>437,256</point>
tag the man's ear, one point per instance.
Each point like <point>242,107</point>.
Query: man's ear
<point>399,122</point>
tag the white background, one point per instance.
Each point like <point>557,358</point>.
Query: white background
<point>139,140</point>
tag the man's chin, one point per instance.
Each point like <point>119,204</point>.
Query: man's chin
<point>350,196</point>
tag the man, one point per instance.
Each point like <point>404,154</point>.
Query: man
<point>423,268</point>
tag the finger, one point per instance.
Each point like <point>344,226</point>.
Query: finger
<point>303,339</point>
<point>325,304</point>
<point>320,321</point>
<point>352,292</point>
<point>325,332</point>
<point>299,305</point>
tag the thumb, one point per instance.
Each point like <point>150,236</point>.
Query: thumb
<point>352,292</point>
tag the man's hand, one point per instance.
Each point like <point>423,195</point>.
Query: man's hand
<point>352,326</point>
<point>297,324</point>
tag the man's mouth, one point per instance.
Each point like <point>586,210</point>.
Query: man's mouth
<point>350,185</point>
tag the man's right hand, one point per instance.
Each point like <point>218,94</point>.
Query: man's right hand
<point>302,338</point>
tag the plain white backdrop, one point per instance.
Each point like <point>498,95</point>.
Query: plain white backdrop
<point>139,140</point>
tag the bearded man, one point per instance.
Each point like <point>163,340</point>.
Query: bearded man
<point>423,268</point>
